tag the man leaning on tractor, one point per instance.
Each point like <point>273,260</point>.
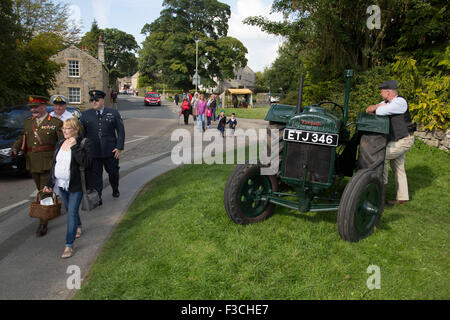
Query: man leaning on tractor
<point>38,139</point>
<point>401,136</point>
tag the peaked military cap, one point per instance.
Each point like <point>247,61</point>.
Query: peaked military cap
<point>97,94</point>
<point>34,100</point>
<point>390,84</point>
<point>59,99</point>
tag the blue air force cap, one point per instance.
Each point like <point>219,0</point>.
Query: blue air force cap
<point>97,94</point>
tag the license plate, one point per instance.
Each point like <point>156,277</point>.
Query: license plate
<point>326,139</point>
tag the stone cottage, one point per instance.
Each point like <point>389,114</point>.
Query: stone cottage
<point>128,84</point>
<point>80,74</point>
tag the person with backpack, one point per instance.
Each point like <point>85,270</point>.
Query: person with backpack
<point>185,110</point>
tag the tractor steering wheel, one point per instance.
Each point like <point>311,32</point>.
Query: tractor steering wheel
<point>334,103</point>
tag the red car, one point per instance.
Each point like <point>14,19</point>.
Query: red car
<point>152,98</point>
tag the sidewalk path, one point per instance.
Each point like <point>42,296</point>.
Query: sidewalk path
<point>31,268</point>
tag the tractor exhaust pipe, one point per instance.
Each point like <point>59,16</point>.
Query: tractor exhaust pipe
<point>348,74</point>
<point>300,96</point>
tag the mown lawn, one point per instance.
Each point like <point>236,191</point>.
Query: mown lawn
<point>250,113</point>
<point>176,242</point>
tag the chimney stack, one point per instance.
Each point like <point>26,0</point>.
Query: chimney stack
<point>101,50</point>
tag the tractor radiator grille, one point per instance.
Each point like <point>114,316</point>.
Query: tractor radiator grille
<point>317,158</point>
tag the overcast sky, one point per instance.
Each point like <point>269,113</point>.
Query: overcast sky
<point>131,15</point>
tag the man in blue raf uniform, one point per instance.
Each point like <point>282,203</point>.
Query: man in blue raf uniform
<point>104,127</point>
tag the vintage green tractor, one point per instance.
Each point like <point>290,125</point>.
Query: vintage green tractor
<point>316,149</point>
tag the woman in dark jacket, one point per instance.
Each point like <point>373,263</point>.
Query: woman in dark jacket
<point>65,174</point>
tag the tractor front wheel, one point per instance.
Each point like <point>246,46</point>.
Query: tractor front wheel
<point>244,193</point>
<point>361,205</point>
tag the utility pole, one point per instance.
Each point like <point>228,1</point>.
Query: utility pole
<point>196,63</point>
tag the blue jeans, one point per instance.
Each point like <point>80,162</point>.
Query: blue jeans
<point>72,201</point>
<point>201,122</point>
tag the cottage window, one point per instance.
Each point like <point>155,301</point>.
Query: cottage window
<point>74,95</point>
<point>74,68</point>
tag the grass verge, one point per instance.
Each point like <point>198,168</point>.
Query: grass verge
<point>251,113</point>
<point>176,242</point>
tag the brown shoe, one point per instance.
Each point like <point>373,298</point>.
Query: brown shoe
<point>41,230</point>
<point>392,202</point>
<point>44,230</point>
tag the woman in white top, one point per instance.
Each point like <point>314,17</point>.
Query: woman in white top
<point>65,175</point>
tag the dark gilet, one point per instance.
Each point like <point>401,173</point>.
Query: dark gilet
<point>400,125</point>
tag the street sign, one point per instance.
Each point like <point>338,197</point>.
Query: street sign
<point>196,79</point>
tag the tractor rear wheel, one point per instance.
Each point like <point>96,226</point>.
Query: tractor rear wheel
<point>372,151</point>
<point>361,205</point>
<point>242,194</point>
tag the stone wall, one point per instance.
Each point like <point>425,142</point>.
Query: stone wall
<point>437,139</point>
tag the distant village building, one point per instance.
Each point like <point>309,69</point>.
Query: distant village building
<point>80,74</point>
<point>128,83</point>
<point>244,78</point>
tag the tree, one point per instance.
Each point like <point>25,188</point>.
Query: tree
<point>120,58</point>
<point>120,49</point>
<point>324,37</point>
<point>335,31</point>
<point>32,31</point>
<point>46,16</point>
<point>168,53</point>
<point>9,32</point>
<point>90,39</point>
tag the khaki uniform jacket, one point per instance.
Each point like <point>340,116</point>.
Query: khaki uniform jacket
<point>50,133</point>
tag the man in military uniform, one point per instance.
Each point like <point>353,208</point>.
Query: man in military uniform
<point>104,127</point>
<point>38,139</point>
<point>59,108</point>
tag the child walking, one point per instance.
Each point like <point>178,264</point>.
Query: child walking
<point>209,113</point>
<point>222,123</point>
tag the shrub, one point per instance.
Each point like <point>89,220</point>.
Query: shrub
<point>430,107</point>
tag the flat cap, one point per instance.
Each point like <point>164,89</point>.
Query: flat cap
<point>34,100</point>
<point>59,99</point>
<point>97,94</point>
<point>390,84</point>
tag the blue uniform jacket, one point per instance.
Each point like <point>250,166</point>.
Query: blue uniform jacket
<point>106,134</point>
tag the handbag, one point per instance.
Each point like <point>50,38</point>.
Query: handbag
<point>90,201</point>
<point>37,210</point>
<point>91,198</point>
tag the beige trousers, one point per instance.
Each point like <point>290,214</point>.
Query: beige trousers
<point>395,153</point>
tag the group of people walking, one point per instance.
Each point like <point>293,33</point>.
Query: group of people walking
<point>57,145</point>
<point>203,111</point>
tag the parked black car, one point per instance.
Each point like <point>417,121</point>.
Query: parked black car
<point>12,120</point>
